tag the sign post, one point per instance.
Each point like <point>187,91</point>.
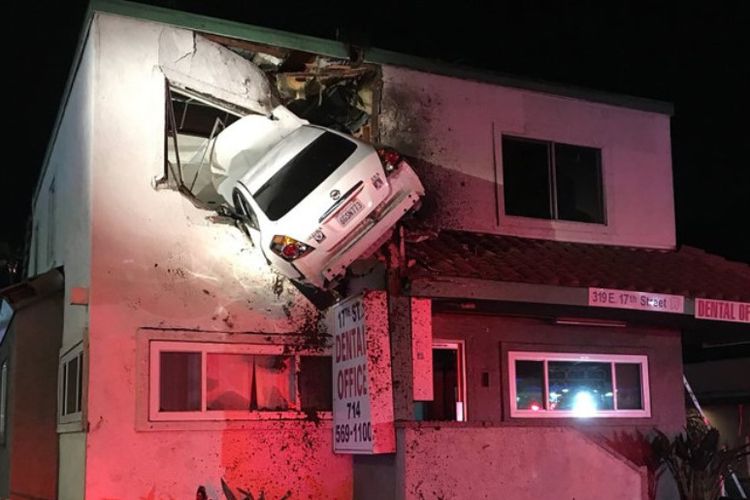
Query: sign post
<point>362,386</point>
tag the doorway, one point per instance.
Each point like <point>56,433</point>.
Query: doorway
<point>448,382</point>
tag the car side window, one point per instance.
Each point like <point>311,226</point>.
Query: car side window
<point>244,210</point>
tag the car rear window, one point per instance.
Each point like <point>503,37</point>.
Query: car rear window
<point>302,174</point>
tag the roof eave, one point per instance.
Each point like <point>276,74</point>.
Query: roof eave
<point>329,48</point>
<point>337,49</point>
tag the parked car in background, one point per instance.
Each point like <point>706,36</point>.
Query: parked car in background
<point>318,199</point>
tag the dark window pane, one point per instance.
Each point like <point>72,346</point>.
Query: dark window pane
<point>196,118</point>
<point>3,400</point>
<point>526,178</point>
<point>445,385</point>
<point>80,382</point>
<point>244,210</point>
<point>302,174</point>
<point>579,183</point>
<point>229,379</point>
<point>315,383</point>
<point>529,385</point>
<point>580,386</point>
<point>273,383</point>
<point>628,376</point>
<point>180,381</point>
<point>63,410</point>
<point>71,390</point>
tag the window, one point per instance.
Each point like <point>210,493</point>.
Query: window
<point>192,123</point>
<point>3,400</point>
<point>213,381</point>
<point>303,173</point>
<point>6,316</point>
<point>549,180</point>
<point>35,253</point>
<point>71,385</point>
<point>546,384</point>
<point>448,382</point>
<point>51,223</point>
<point>244,210</point>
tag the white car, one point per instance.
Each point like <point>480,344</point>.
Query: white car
<point>317,200</point>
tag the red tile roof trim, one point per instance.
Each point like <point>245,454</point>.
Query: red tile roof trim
<point>690,272</point>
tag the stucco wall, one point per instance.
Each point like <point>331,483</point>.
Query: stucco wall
<point>488,338</point>
<point>63,218</point>
<point>447,124</point>
<point>159,261</point>
<point>62,235</point>
<point>513,463</point>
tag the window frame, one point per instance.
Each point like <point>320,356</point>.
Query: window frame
<point>460,347</point>
<point>4,410</point>
<point>155,347</point>
<point>51,223</point>
<point>553,194</point>
<point>545,357</point>
<point>173,174</point>
<point>75,352</point>
<point>245,210</point>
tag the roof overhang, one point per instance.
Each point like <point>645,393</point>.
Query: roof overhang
<point>328,48</point>
<point>570,306</point>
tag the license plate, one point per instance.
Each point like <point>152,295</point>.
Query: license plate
<point>349,211</point>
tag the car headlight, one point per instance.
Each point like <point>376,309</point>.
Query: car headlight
<point>288,248</point>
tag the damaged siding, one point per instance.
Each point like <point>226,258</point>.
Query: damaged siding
<point>453,128</point>
<point>195,63</point>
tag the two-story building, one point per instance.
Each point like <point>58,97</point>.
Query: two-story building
<point>537,304</point>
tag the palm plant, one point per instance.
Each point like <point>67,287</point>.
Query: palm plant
<point>695,459</point>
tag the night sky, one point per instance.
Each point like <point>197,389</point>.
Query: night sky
<point>695,57</point>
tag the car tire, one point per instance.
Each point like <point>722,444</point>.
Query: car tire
<point>321,299</point>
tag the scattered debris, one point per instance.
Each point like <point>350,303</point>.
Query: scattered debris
<point>246,494</point>
<point>281,143</point>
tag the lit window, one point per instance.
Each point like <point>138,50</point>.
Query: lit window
<point>578,385</point>
<point>212,381</point>
<point>548,180</point>
<point>71,385</point>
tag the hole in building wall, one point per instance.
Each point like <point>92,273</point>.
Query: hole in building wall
<point>332,93</point>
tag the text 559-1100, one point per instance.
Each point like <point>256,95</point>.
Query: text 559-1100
<point>357,433</point>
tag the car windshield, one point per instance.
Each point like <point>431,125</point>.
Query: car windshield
<point>302,174</point>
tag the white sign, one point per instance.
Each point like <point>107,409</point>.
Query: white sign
<point>642,301</point>
<point>362,387</point>
<point>722,310</point>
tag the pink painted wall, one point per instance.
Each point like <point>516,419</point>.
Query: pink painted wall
<point>516,463</point>
<point>488,338</point>
<point>159,261</point>
<point>447,124</point>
